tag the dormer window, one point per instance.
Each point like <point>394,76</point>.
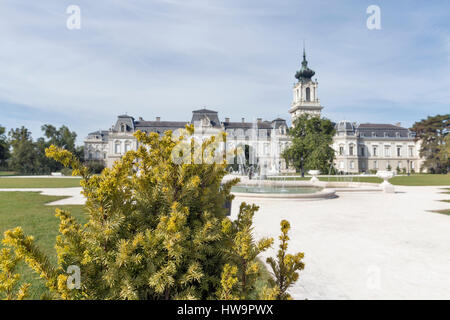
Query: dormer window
<point>123,127</point>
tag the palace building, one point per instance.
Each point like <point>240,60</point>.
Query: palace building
<point>365,147</point>
<point>267,138</point>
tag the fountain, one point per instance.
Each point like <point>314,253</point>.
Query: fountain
<point>385,185</point>
<point>283,189</point>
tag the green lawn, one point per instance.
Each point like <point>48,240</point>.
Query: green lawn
<point>446,211</point>
<point>28,210</point>
<point>7,173</point>
<point>412,180</point>
<point>422,180</point>
<point>39,182</point>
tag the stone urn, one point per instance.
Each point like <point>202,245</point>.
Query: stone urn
<point>314,174</point>
<point>385,185</point>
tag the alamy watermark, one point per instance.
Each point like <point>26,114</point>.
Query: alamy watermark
<point>73,22</point>
<point>374,20</point>
<point>74,278</point>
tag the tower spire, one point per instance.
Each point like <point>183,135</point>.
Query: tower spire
<point>304,53</point>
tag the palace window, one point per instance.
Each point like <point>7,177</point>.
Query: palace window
<point>127,147</point>
<point>308,94</point>
<point>117,148</point>
<point>411,151</point>
<point>341,151</point>
<point>375,164</point>
<point>352,164</point>
<point>387,151</point>
<point>375,152</point>
<point>399,151</point>
<point>351,150</point>
<point>362,152</point>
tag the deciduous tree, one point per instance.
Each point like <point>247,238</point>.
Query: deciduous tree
<point>311,144</point>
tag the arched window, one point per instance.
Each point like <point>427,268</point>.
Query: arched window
<point>308,94</point>
<point>117,148</point>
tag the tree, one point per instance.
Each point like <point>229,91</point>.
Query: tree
<point>156,228</point>
<point>434,148</point>
<point>311,140</point>
<point>29,157</point>
<point>24,153</point>
<point>4,147</point>
<point>62,138</point>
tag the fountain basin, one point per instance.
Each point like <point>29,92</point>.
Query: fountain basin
<point>281,190</point>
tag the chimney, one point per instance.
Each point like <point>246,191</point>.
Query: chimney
<point>227,119</point>
<point>259,120</point>
<point>158,119</point>
<point>243,120</point>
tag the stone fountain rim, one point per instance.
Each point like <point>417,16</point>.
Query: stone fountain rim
<point>322,194</point>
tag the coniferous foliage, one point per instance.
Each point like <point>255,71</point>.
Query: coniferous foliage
<point>157,229</point>
<point>286,267</point>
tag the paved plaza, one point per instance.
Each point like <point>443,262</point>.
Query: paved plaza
<point>365,245</point>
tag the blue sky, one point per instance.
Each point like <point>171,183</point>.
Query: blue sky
<point>168,57</point>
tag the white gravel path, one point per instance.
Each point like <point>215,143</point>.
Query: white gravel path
<point>74,194</point>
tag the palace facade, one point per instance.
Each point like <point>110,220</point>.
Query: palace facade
<point>267,139</point>
<point>366,147</point>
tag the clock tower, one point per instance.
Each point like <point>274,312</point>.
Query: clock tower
<point>306,99</point>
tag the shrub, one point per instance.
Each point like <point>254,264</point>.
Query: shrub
<point>286,266</point>
<point>66,171</point>
<point>156,230</point>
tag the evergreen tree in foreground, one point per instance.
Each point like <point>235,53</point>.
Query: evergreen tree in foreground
<point>156,230</point>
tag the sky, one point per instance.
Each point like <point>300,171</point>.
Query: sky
<point>166,58</point>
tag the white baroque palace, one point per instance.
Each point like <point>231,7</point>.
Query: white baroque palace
<point>266,138</point>
<point>365,147</point>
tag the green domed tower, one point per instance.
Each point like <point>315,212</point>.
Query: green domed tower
<point>305,99</point>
